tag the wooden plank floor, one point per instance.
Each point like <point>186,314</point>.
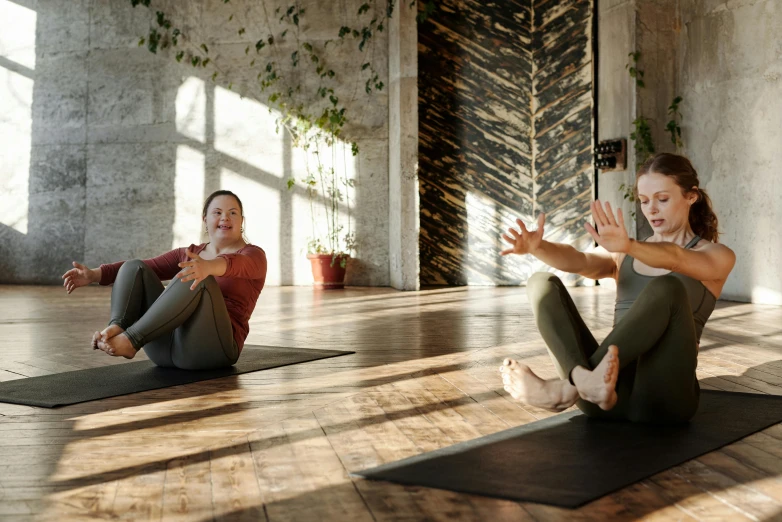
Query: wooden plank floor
<point>280,444</point>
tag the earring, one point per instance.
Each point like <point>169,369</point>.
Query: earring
<point>242,230</point>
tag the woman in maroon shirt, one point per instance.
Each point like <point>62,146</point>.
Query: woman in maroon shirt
<point>201,319</point>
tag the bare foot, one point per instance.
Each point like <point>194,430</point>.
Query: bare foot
<point>107,333</point>
<point>118,346</point>
<point>599,385</point>
<point>523,385</point>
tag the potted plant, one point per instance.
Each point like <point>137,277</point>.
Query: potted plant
<point>328,252</point>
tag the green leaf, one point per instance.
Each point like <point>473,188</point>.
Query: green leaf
<point>270,40</point>
<point>195,60</point>
<point>260,44</point>
<point>343,31</point>
<point>307,46</point>
<point>205,62</point>
<point>296,19</point>
<point>241,31</point>
<point>364,67</point>
<point>331,73</point>
<point>141,41</point>
<point>333,100</point>
<point>363,9</point>
<point>180,55</point>
<point>291,183</point>
<point>380,27</point>
<point>354,149</point>
<point>153,40</point>
<point>205,48</point>
<point>230,18</point>
<point>284,33</point>
<point>214,76</point>
<point>356,34</point>
<point>295,58</point>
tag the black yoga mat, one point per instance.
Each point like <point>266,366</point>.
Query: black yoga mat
<point>569,459</point>
<point>60,389</point>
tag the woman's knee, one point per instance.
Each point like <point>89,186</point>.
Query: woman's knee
<point>543,284</point>
<point>133,265</point>
<point>666,287</point>
<point>540,282</point>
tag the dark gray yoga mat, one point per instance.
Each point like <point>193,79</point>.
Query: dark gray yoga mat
<point>569,460</point>
<point>60,389</point>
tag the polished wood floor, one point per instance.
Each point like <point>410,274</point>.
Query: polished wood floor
<point>280,444</point>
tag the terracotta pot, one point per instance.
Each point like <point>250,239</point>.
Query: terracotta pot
<point>328,275</point>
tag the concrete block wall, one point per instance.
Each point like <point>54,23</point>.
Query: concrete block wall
<point>724,59</point>
<point>108,151</point>
<point>730,74</point>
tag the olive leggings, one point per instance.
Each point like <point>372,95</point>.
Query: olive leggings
<point>657,348</point>
<point>176,326</point>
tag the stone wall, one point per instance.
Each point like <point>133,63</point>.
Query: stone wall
<point>723,58</point>
<point>108,150</point>
<point>730,74</point>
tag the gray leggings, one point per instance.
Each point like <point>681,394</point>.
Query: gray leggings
<point>176,326</point>
<point>657,348</point>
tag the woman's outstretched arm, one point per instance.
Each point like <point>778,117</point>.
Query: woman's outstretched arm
<point>712,263</point>
<point>593,265</point>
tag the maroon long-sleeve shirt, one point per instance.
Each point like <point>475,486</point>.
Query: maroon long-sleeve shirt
<point>245,275</point>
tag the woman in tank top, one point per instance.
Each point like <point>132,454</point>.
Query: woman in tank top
<point>667,286</point>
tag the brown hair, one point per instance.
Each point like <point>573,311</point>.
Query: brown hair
<point>223,193</point>
<point>703,220</point>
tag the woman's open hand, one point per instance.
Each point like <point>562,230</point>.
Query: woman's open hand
<point>78,276</point>
<point>525,242</point>
<point>195,270</point>
<point>611,233</point>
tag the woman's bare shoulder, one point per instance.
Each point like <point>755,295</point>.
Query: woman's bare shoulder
<point>704,245</point>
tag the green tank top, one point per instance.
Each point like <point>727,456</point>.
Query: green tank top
<point>631,283</point>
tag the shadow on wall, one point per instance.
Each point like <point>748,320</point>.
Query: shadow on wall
<point>109,152</point>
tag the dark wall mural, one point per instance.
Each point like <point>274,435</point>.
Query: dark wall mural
<point>505,131</point>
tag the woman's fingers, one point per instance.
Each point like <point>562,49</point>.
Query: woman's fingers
<point>610,214</point>
<point>620,220</point>
<point>541,220</point>
<point>592,232</point>
<point>597,211</point>
<point>508,239</point>
<point>513,232</point>
<point>522,226</point>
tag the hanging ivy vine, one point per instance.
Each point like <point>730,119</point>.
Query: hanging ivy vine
<point>643,143</point>
<point>313,125</point>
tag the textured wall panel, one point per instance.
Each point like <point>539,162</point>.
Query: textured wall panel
<point>505,129</point>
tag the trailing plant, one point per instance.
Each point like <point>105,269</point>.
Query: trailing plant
<point>644,144</point>
<point>636,73</point>
<point>672,127</point>
<point>642,133</point>
<point>312,112</point>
